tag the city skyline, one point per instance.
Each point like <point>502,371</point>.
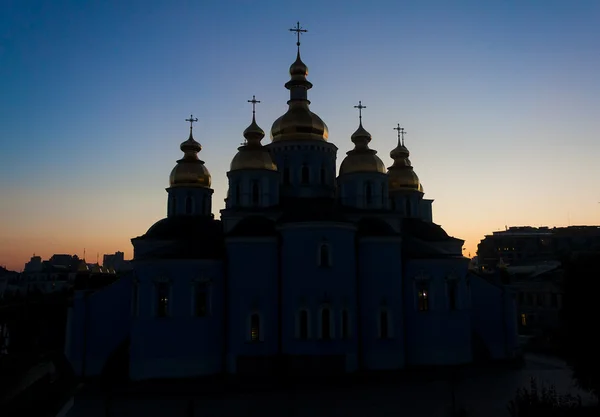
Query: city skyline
<point>498,106</point>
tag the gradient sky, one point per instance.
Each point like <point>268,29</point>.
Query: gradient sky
<point>500,99</point>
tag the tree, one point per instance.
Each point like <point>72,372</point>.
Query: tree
<point>581,312</point>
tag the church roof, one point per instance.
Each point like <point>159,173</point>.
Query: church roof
<point>371,226</point>
<point>254,226</point>
<point>182,227</point>
<point>423,230</point>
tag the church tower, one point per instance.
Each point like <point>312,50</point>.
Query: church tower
<point>189,192</point>
<point>305,159</point>
<point>253,176</point>
<point>406,191</point>
<point>363,180</point>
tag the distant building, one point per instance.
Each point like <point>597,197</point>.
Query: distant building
<point>308,270</point>
<point>533,245</point>
<point>116,262</point>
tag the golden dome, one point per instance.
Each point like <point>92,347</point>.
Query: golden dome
<point>299,123</point>
<point>253,155</point>
<point>401,175</point>
<point>190,171</point>
<point>361,158</point>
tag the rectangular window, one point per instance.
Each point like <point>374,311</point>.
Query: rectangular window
<point>255,328</point>
<point>423,298</point>
<point>523,319</point>
<point>162,299</point>
<point>201,300</point>
<point>452,290</point>
<point>135,298</point>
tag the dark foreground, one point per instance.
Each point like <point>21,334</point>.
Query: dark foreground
<point>482,391</point>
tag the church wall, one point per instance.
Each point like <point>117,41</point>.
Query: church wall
<point>315,155</point>
<point>241,188</point>
<point>353,190</point>
<point>494,317</point>
<point>380,283</point>
<point>439,335</point>
<point>182,344</point>
<point>200,201</point>
<point>308,286</point>
<point>105,325</point>
<point>252,289</point>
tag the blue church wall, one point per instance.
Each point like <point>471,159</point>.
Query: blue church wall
<point>438,334</point>
<point>241,183</point>
<point>315,155</point>
<point>183,343</point>
<point>252,289</point>
<point>97,332</point>
<point>494,317</point>
<point>189,200</point>
<point>353,190</point>
<point>311,287</point>
<point>380,289</point>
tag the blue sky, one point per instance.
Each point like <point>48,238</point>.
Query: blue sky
<point>500,100</point>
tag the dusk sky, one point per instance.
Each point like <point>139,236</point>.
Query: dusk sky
<point>500,99</point>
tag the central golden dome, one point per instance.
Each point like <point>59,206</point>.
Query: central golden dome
<point>190,171</point>
<point>299,123</point>
<point>361,158</point>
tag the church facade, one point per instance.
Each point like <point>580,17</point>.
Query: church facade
<point>308,270</point>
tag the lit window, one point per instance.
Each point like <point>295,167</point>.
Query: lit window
<point>423,298</point>
<point>162,302</point>
<point>255,327</point>
<point>523,319</point>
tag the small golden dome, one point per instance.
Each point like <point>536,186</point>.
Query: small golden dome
<point>253,155</point>
<point>298,68</point>
<point>257,158</point>
<point>401,175</point>
<point>190,171</point>
<point>361,158</point>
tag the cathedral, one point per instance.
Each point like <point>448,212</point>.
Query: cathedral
<point>308,270</point>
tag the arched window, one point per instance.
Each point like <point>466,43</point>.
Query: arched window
<point>255,193</point>
<point>325,324</point>
<point>188,205</point>
<point>255,327</point>
<point>323,176</point>
<point>407,204</point>
<point>304,177</point>
<point>384,325</point>
<point>286,175</point>
<point>238,194</point>
<point>303,325</point>
<point>383,196</point>
<point>324,255</point>
<point>423,297</point>
<point>173,205</point>
<point>345,325</point>
<point>369,194</point>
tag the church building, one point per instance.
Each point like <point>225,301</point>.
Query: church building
<point>307,270</point>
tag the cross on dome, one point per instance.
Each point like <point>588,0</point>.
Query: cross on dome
<point>192,121</point>
<point>298,31</point>
<point>401,133</point>
<point>253,101</point>
<point>360,107</point>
